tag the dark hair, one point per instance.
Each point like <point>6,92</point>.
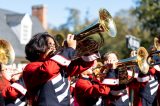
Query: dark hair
<point>105,56</point>
<point>38,45</point>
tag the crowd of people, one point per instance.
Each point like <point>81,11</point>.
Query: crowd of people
<point>54,77</point>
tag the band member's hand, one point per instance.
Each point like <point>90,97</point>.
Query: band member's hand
<point>2,67</point>
<point>112,64</point>
<point>15,77</point>
<point>47,53</point>
<point>71,42</point>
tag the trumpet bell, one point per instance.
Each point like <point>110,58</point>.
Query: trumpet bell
<point>154,55</point>
<point>142,56</point>
<point>157,43</point>
<point>7,54</point>
<point>139,60</point>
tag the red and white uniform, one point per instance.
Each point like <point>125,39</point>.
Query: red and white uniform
<point>3,83</point>
<point>47,82</point>
<point>14,94</point>
<point>119,95</point>
<point>146,88</point>
<point>156,71</point>
<point>88,91</point>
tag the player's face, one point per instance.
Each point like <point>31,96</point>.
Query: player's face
<point>51,44</point>
<point>111,58</point>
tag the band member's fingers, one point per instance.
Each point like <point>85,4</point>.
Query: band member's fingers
<point>110,61</point>
<point>71,42</point>
<point>70,37</point>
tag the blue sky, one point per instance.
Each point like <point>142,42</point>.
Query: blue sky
<point>57,13</point>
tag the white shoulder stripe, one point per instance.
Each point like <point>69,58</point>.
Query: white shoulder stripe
<point>124,97</point>
<point>151,78</point>
<point>19,87</point>
<point>110,81</point>
<point>143,79</point>
<point>56,79</point>
<point>61,60</point>
<point>98,103</point>
<point>154,90</point>
<point>157,67</point>
<point>63,95</point>
<point>20,103</point>
<point>131,72</point>
<point>153,84</point>
<point>60,87</point>
<point>91,57</point>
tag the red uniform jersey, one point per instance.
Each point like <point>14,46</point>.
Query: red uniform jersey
<point>51,76</point>
<point>14,93</point>
<point>87,92</point>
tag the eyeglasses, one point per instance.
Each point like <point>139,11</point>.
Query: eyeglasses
<point>51,44</point>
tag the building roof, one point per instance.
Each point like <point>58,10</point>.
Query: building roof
<point>9,18</point>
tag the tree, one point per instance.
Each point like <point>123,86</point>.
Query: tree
<point>72,20</point>
<point>127,24</point>
<point>148,13</point>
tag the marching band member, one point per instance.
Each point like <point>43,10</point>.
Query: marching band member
<point>118,95</point>
<point>155,71</point>
<point>134,86</point>
<point>5,77</point>
<point>146,87</point>
<point>46,76</point>
<point>15,93</point>
<point>72,87</point>
<point>7,57</point>
<point>88,90</point>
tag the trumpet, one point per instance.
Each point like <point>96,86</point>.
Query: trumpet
<point>154,58</point>
<point>140,60</point>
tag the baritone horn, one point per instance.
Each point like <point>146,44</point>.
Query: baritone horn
<point>7,54</point>
<point>103,26</point>
<point>154,55</point>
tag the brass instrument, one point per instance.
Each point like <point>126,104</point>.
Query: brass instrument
<point>104,26</point>
<point>157,43</point>
<point>7,54</point>
<point>139,60</point>
<point>154,56</point>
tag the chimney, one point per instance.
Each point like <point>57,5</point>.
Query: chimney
<point>40,12</point>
